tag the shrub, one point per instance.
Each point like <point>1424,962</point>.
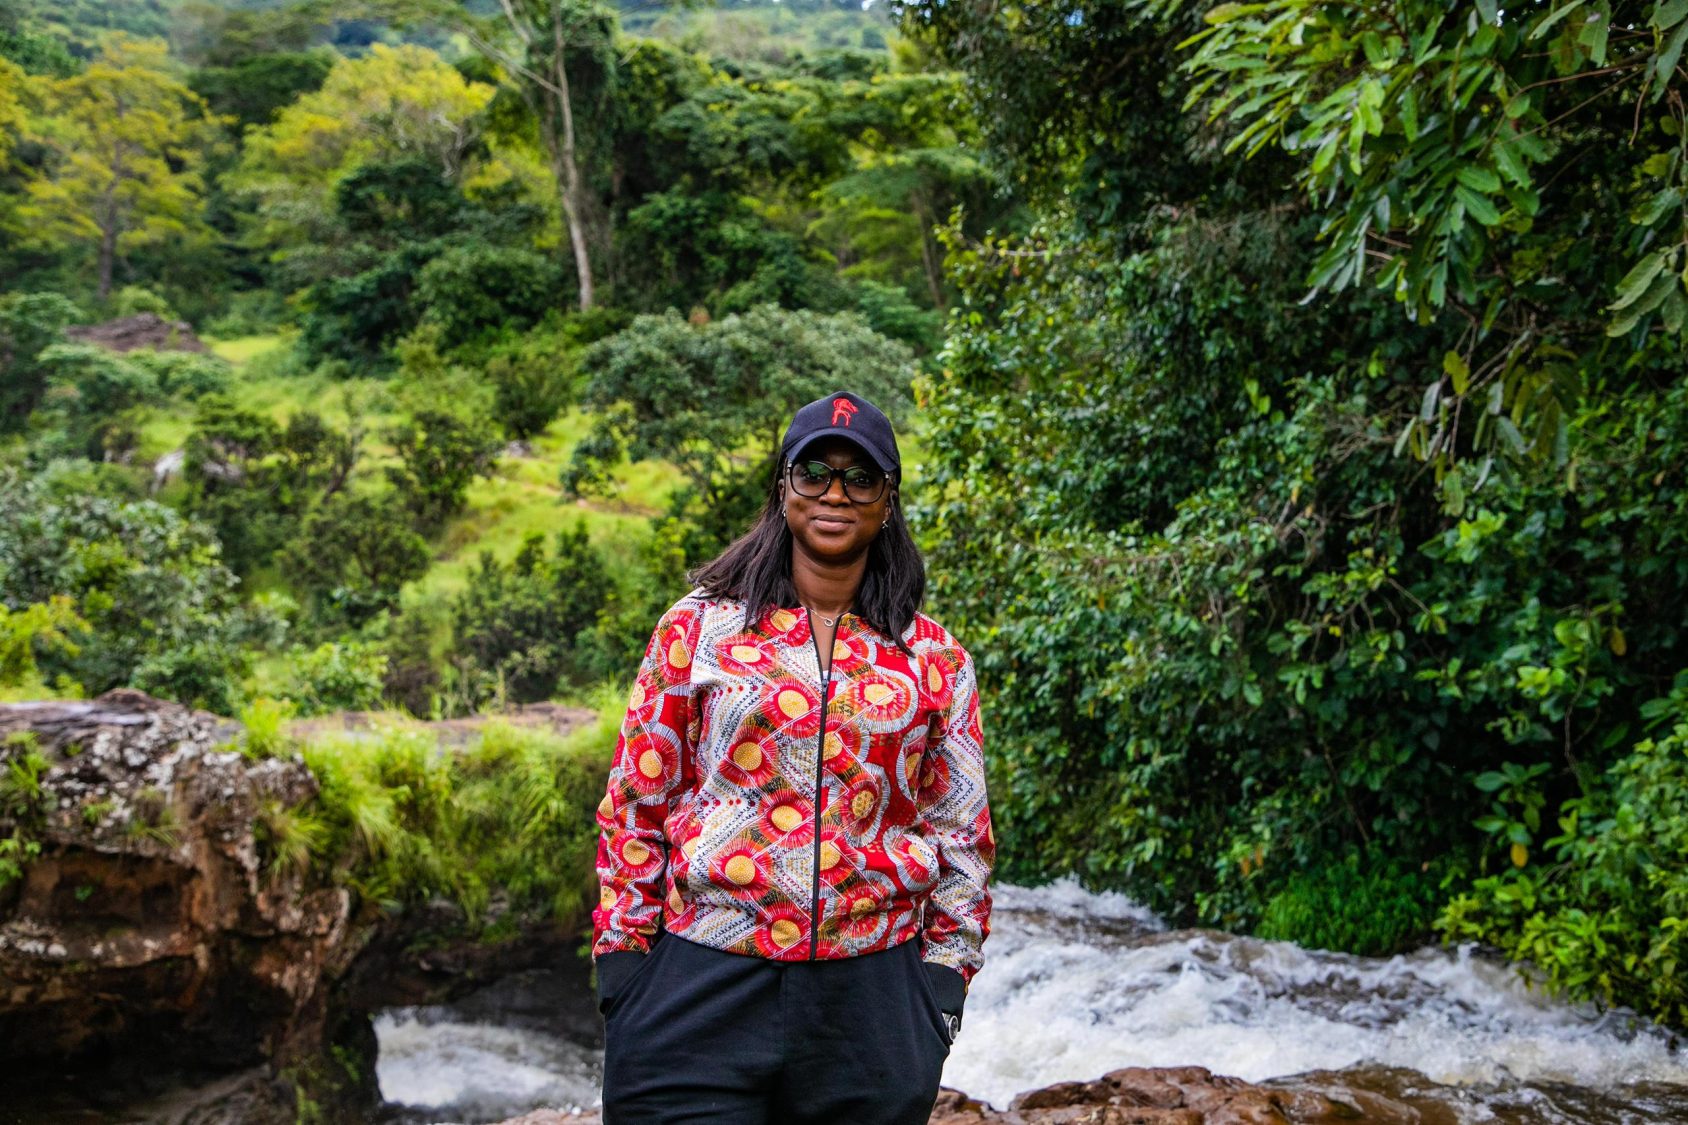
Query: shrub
<point>522,622</point>
<point>413,679</point>
<point>530,387</point>
<point>265,727</point>
<point>48,626</point>
<point>357,319</point>
<point>132,300</point>
<point>187,375</point>
<point>338,676</point>
<point>1601,909</point>
<point>1365,902</point>
<point>252,312</point>
<point>440,455</point>
<point>354,555</point>
<point>160,606</point>
<point>29,323</point>
<point>254,481</point>
<point>402,821</point>
<point>89,399</point>
<point>472,291</point>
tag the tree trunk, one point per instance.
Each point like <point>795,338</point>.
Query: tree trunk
<point>108,254</point>
<point>930,258</point>
<point>566,168</point>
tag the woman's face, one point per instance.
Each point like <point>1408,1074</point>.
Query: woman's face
<point>832,526</point>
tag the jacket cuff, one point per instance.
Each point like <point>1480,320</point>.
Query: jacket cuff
<point>614,969</point>
<point>948,985</point>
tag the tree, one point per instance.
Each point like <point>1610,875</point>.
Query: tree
<point>523,622</point>
<point>440,455</point>
<point>161,608</point>
<point>712,398</point>
<point>254,481</point>
<point>553,38</point>
<point>12,79</point>
<point>558,55</point>
<point>1241,646</point>
<point>253,90</point>
<point>29,324</point>
<point>402,106</point>
<point>1447,149</point>
<point>129,141</point>
<point>355,554</point>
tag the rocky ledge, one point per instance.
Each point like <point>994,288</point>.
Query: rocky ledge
<point>150,952</point>
<point>1184,1095</point>
<point>143,928</point>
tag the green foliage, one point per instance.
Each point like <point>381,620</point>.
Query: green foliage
<point>44,626</point>
<point>472,291</point>
<point>353,556</point>
<point>711,398</point>
<point>401,820</point>
<point>91,398</point>
<point>531,385</point>
<point>440,455</point>
<point>357,319</point>
<point>121,181</point>
<point>521,624</point>
<point>160,606</point>
<point>338,676</point>
<point>134,299</point>
<point>184,375</point>
<point>256,482</point>
<point>1602,909</point>
<point>264,723</point>
<point>1227,630</point>
<point>21,804</point>
<point>29,324</point>
<point>256,87</point>
<point>1365,903</point>
<point>1435,141</point>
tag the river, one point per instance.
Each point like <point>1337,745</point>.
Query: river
<point>1077,984</point>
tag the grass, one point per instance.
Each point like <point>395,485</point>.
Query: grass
<point>400,819</point>
<point>244,348</point>
<point>521,498</point>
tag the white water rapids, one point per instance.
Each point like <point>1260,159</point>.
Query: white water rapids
<point>1076,984</point>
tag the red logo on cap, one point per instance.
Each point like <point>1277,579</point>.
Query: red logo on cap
<point>842,408</point>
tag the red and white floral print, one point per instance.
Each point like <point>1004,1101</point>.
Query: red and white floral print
<point>727,742</point>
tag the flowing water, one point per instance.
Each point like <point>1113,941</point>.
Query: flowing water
<point>1077,984</point>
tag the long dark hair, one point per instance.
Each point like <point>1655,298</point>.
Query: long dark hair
<point>756,569</point>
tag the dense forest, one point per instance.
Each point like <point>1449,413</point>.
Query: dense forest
<point>1294,393</point>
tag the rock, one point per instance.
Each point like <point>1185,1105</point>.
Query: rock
<point>147,954</point>
<point>146,930</point>
<point>1183,1095</point>
<point>143,330</point>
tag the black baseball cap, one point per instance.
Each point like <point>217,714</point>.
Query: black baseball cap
<point>849,415</point>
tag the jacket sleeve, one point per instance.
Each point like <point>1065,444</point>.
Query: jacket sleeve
<point>645,774</point>
<point>953,802</point>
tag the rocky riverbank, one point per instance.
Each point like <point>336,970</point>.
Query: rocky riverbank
<point>1188,1095</point>
<point>151,953</point>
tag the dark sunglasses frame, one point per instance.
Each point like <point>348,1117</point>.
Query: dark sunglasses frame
<point>791,477</point>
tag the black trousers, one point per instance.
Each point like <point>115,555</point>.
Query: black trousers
<point>700,1037</point>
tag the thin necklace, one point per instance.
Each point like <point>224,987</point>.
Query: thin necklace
<point>829,622</point>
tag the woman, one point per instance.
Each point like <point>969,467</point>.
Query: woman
<point>795,844</point>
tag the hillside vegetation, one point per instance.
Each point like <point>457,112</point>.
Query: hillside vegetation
<point>1296,393</point>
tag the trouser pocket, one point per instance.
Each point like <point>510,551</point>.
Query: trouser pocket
<point>609,1002</point>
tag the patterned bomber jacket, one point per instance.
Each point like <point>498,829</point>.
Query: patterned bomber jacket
<point>746,814</point>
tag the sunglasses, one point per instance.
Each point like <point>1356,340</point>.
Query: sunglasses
<point>814,478</point>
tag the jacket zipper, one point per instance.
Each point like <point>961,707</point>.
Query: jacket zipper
<point>820,750</point>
